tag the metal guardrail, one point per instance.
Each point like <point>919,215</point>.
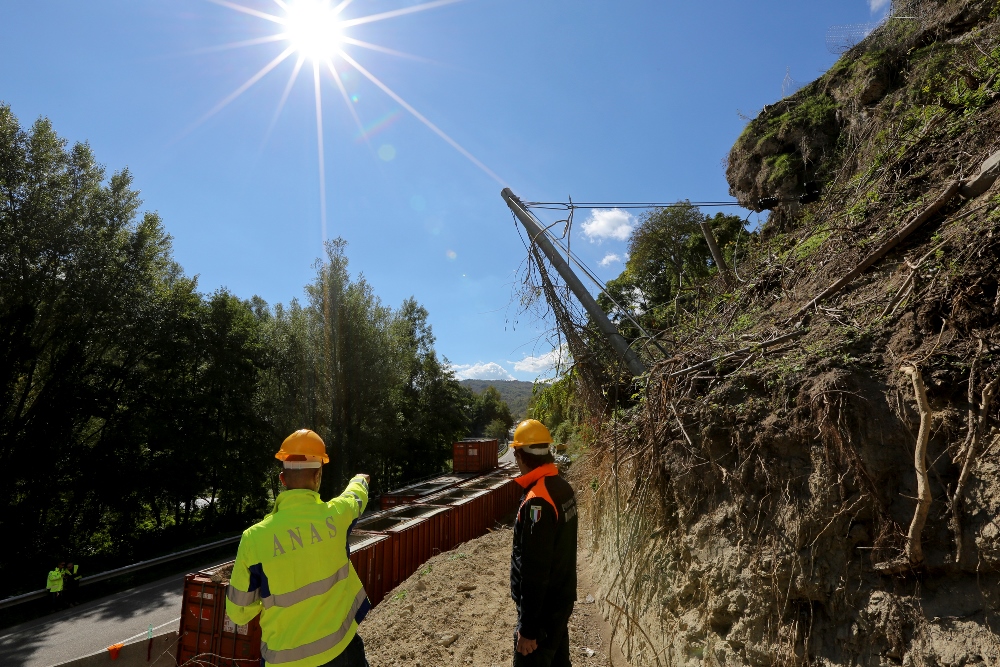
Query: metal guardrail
<point>141,565</point>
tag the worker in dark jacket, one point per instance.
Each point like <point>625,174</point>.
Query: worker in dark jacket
<point>543,560</point>
<point>71,582</point>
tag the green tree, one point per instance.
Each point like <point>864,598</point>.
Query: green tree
<point>366,378</point>
<point>556,406</point>
<point>84,279</point>
<point>137,412</point>
<point>497,429</point>
<point>431,400</point>
<point>668,259</point>
<point>486,408</point>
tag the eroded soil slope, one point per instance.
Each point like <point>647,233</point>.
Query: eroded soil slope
<point>457,611</point>
<point>759,504</point>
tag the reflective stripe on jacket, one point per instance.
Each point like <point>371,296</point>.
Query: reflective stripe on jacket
<point>55,581</point>
<point>292,568</point>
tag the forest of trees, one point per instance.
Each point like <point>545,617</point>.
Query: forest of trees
<point>137,412</point>
<point>489,415</point>
<point>515,393</point>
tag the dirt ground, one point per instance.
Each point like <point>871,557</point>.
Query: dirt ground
<point>456,610</point>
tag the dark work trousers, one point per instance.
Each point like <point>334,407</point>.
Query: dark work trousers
<point>70,590</point>
<point>553,647</point>
<point>353,655</point>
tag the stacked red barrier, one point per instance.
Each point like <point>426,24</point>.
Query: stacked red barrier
<point>206,634</point>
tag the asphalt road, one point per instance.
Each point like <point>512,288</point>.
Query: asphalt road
<point>92,626</point>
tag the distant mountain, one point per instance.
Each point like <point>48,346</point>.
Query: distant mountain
<point>516,393</point>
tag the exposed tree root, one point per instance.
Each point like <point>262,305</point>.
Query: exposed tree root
<point>914,547</point>
<point>977,424</point>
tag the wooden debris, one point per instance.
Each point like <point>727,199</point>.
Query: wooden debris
<point>759,346</point>
<point>880,252</point>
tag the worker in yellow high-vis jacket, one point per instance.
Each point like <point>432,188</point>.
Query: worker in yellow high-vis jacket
<point>54,584</point>
<point>292,568</point>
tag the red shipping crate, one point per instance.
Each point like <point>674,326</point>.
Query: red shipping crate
<point>206,633</point>
<point>371,556</point>
<point>474,455</point>
<point>239,645</point>
<point>414,540</point>
<point>440,524</point>
<point>469,514</point>
<point>501,499</point>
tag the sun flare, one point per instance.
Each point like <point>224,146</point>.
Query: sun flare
<point>317,31</point>
<point>314,29</point>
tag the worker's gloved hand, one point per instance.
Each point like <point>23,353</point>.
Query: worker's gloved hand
<point>368,478</point>
<point>525,646</point>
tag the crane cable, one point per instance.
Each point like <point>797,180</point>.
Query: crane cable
<point>563,206</point>
<point>587,271</point>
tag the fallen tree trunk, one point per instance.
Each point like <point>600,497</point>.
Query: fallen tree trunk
<point>762,346</point>
<point>884,249</point>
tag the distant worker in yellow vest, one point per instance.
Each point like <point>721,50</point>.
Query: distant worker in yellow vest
<point>292,568</point>
<point>54,584</point>
<point>543,559</point>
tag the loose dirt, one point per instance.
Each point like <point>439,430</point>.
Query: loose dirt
<point>456,610</point>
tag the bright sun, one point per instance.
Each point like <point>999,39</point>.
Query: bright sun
<point>317,31</point>
<point>314,29</point>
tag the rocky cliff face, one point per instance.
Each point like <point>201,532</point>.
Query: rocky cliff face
<point>801,143</point>
<point>760,509</point>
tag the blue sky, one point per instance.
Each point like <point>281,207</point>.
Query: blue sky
<point>598,99</point>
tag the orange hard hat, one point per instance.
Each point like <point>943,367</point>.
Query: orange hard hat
<point>303,449</point>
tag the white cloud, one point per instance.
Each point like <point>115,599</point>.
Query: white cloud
<point>610,259</point>
<point>608,224</point>
<point>878,5</point>
<point>557,359</point>
<point>481,371</point>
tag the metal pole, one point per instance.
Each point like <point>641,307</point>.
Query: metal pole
<point>537,235</point>
<point>720,261</point>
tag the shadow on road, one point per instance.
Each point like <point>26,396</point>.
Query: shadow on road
<point>92,626</point>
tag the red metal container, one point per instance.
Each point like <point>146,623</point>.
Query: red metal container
<point>414,539</point>
<point>508,468</point>
<point>409,494</point>
<point>239,645</point>
<point>206,633</point>
<point>474,455</point>
<point>441,524</point>
<point>502,499</point>
<point>371,556</point>
<point>470,513</point>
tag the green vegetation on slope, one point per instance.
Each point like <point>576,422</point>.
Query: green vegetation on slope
<point>489,415</point>
<point>515,393</point>
<point>557,406</point>
<point>668,263</point>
